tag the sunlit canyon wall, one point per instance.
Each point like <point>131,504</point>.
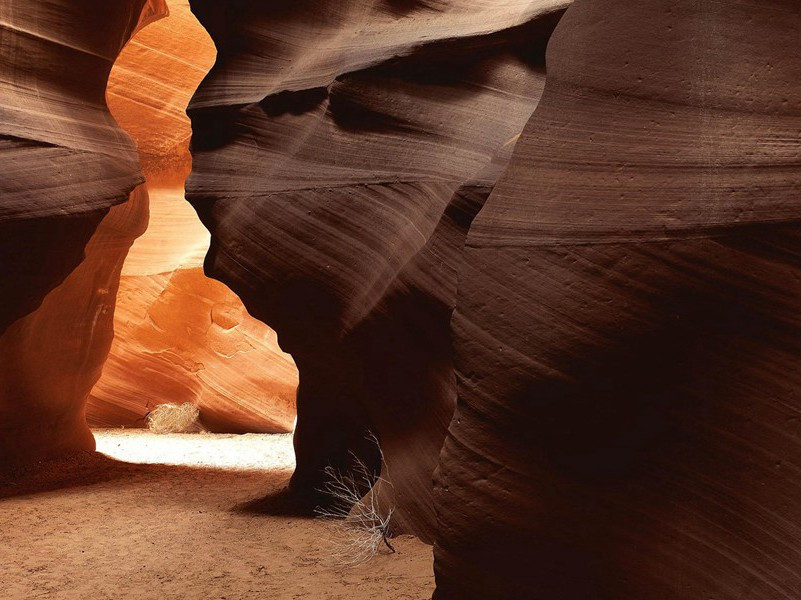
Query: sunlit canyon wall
<point>617,392</point>
<point>179,336</point>
<point>68,171</point>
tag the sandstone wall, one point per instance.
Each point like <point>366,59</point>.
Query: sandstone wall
<point>64,164</point>
<point>627,328</point>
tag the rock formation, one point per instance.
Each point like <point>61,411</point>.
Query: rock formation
<point>613,410</point>
<point>65,163</point>
<point>328,141</point>
<point>53,356</point>
<point>627,329</point>
<point>53,112</point>
<point>180,337</point>
<point>405,359</point>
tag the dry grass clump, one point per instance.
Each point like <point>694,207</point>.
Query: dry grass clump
<point>361,525</point>
<point>174,418</point>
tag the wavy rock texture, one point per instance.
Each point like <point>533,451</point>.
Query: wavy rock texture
<point>53,356</point>
<point>627,328</point>
<point>415,370</point>
<point>53,112</point>
<point>179,336</point>
<point>150,86</point>
<point>64,163</point>
<point>327,143</point>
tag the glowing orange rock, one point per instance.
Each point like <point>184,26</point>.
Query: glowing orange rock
<point>180,337</point>
<point>52,357</point>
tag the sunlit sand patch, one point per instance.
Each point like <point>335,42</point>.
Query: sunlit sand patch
<point>261,452</point>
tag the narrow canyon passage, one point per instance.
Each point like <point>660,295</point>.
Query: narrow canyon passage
<point>171,515</point>
<point>534,266</point>
<point>178,335</point>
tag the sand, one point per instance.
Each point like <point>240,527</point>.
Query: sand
<point>182,516</point>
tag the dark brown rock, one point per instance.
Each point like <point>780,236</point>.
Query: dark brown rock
<point>324,157</point>
<point>627,328</point>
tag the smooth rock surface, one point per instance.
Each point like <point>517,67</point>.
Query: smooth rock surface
<point>627,327</point>
<point>65,163</point>
<point>328,141</point>
<point>53,356</point>
<point>63,159</point>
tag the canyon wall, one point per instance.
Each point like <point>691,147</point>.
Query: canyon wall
<point>53,356</point>
<point>65,164</point>
<point>617,391</point>
<point>404,352</point>
<point>78,82</point>
<point>328,141</point>
<point>53,112</point>
<point>628,327</point>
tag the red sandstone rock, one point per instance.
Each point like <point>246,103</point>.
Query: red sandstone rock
<point>53,356</point>
<point>64,164</point>
<point>53,113</point>
<point>327,144</point>
<point>405,359</point>
<point>627,331</point>
<point>180,337</point>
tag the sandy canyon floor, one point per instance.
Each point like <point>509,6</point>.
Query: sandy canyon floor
<point>182,516</point>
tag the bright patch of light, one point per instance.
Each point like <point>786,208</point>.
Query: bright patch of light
<point>249,452</point>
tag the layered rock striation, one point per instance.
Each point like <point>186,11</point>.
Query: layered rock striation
<point>53,113</point>
<point>415,370</point>
<point>627,328</point>
<point>64,164</point>
<point>53,356</point>
<point>180,337</point>
<point>328,141</point>
<point>612,412</point>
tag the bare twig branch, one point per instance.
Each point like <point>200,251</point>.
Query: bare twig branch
<point>360,523</point>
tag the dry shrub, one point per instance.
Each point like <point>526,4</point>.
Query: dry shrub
<point>173,418</point>
<point>361,525</point>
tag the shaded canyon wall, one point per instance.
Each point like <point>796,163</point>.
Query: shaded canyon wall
<point>622,355</point>
<point>328,140</point>
<point>627,331</point>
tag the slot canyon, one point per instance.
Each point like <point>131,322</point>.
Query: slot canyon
<point>459,299</point>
